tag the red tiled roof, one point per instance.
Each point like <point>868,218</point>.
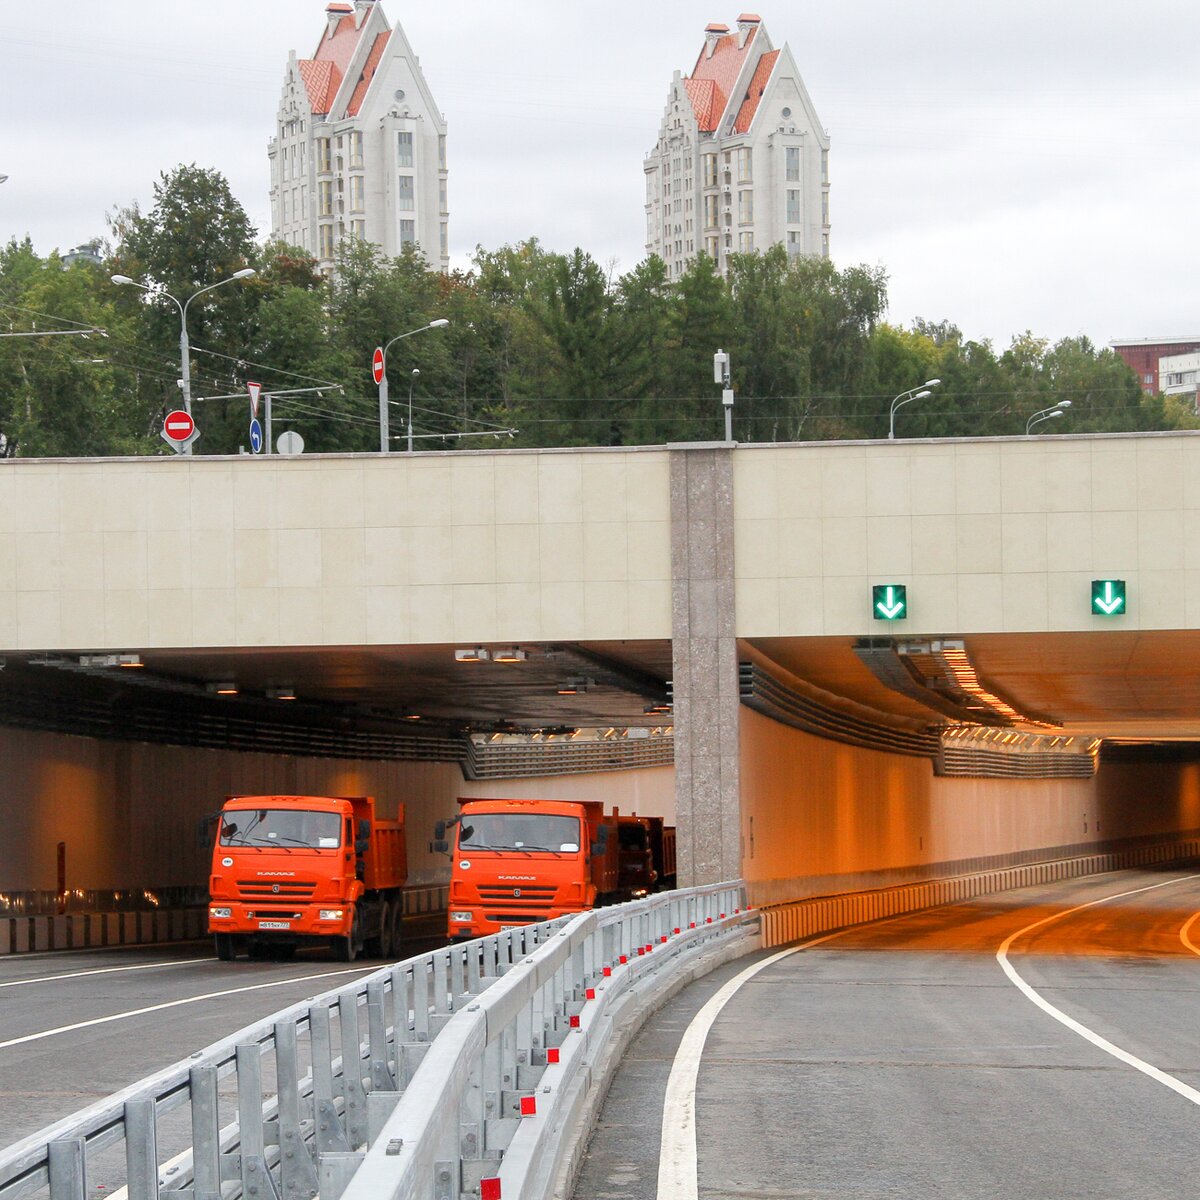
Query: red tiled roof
<point>749,17</point>
<point>758,85</point>
<point>368,73</point>
<point>721,68</point>
<point>708,102</point>
<point>339,49</point>
<point>321,82</point>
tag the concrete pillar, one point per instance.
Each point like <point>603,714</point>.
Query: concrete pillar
<point>704,664</point>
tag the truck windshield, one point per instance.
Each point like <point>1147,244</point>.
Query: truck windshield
<point>281,827</point>
<point>519,831</point>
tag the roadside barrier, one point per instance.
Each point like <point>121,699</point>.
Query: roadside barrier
<point>475,1069</point>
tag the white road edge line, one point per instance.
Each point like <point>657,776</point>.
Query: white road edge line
<point>1159,1076</point>
<point>138,1012</point>
<point>166,962</point>
<point>677,1177</point>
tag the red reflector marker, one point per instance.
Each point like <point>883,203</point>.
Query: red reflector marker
<point>528,1106</point>
<point>736,911</point>
<point>590,994</point>
<point>676,928</point>
<point>692,925</point>
<point>708,920</point>
<point>552,1054</point>
<point>624,959</point>
<point>489,1189</point>
<point>607,972</point>
<point>641,951</point>
<point>722,916</point>
<point>664,936</point>
<point>575,1021</point>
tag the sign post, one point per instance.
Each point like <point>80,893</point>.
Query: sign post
<point>380,376</point>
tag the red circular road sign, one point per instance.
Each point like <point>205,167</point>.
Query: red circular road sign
<point>377,364</point>
<point>179,425</point>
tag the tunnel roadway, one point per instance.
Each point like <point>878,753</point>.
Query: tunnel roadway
<point>901,1060</point>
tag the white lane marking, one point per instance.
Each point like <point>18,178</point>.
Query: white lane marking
<point>1160,1076</point>
<point>1183,934</point>
<point>138,1012</point>
<point>677,1179</point>
<point>166,962</point>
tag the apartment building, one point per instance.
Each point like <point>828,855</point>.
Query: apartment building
<point>1145,356</point>
<point>742,161</point>
<point>360,147</point>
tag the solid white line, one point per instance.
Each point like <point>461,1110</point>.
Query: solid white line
<point>1176,1085</point>
<point>167,962</point>
<point>677,1179</point>
<point>138,1012</point>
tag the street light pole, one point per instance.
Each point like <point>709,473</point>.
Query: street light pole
<point>721,375</point>
<point>384,436</point>
<point>916,393</point>
<point>412,380</point>
<point>1047,414</point>
<point>185,366</point>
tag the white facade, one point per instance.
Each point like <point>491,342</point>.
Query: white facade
<point>360,147</point>
<point>1179,375</point>
<point>742,161</point>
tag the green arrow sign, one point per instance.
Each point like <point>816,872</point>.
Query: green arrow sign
<point>1108,597</point>
<point>889,601</point>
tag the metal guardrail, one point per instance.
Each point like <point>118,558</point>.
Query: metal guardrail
<point>437,1073</point>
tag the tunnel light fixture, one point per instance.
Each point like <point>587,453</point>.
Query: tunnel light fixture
<point>575,686</point>
<point>110,660</point>
<point>509,654</point>
<point>223,687</point>
<point>281,693</point>
<point>472,654</point>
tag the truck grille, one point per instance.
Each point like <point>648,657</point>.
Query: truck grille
<point>292,889</point>
<point>535,895</point>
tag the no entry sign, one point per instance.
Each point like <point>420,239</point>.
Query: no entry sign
<point>178,426</point>
<point>377,364</point>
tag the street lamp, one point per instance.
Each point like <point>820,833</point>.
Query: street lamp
<point>185,368</point>
<point>384,438</point>
<point>416,371</point>
<point>917,393</point>
<point>3,178</point>
<point>1047,414</point>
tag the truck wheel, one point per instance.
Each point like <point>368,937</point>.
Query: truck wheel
<point>224,944</point>
<point>345,949</point>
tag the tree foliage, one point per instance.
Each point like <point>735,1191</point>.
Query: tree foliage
<point>549,346</point>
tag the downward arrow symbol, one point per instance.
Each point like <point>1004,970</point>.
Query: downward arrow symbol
<point>1110,603</point>
<point>890,607</point>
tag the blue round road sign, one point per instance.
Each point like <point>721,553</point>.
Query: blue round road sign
<point>256,436</point>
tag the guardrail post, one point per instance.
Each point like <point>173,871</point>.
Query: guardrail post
<point>353,1094</point>
<point>382,1079</point>
<point>257,1183</point>
<point>297,1174</point>
<point>330,1137</point>
<point>141,1149</point>
<point>206,1134</point>
<point>68,1169</point>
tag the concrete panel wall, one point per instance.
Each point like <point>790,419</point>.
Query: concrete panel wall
<point>338,550</point>
<point>129,812</point>
<point>996,535</point>
<point>819,817</point>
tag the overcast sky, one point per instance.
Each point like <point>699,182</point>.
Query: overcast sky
<point>1012,164</point>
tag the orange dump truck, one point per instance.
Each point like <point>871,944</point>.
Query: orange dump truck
<point>289,870</point>
<point>516,862</point>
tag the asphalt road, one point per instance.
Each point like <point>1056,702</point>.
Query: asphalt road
<point>77,1026</point>
<point>900,1060</point>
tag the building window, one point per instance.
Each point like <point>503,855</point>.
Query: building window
<point>404,149</point>
<point>326,241</point>
<point>745,242</point>
<point>358,229</point>
<point>794,244</point>
<point>404,193</point>
<point>442,195</point>
<point>824,208</point>
<point>326,207</point>
<point>710,211</point>
<point>712,247</point>
<point>824,166</point>
<point>824,245</point>
<point>441,151</point>
<point>408,232</point>
<point>745,165</point>
<point>356,149</point>
<point>324,158</point>
<point>356,193</point>
<point>745,207</point>
<point>793,206</point>
<point>445,240</point>
<point>793,164</point>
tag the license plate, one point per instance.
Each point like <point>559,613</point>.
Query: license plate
<point>274,924</point>
<point>505,928</point>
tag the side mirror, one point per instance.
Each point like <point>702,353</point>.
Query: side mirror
<point>364,828</point>
<point>598,848</point>
<point>440,846</point>
<point>439,831</point>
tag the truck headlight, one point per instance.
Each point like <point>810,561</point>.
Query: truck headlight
<point>464,917</point>
<point>221,913</point>
<point>331,914</point>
